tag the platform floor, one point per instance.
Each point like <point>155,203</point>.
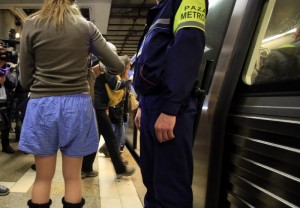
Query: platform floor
<point>104,191</point>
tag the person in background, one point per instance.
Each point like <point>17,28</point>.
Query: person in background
<point>126,114</point>
<point>8,82</point>
<point>94,72</point>
<point>3,190</point>
<point>281,64</point>
<point>104,123</point>
<point>87,169</point>
<point>118,114</point>
<point>54,47</point>
<point>21,98</point>
<point>166,70</point>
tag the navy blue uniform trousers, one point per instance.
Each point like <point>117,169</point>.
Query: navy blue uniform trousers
<point>167,168</point>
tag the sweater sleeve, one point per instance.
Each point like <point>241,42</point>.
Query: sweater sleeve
<point>100,48</point>
<point>27,66</point>
<point>183,62</point>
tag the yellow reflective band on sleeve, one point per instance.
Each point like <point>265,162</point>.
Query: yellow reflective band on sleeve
<point>191,13</point>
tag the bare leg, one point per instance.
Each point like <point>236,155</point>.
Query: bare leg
<point>45,169</point>
<point>72,177</point>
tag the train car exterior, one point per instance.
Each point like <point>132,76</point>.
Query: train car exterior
<point>247,144</point>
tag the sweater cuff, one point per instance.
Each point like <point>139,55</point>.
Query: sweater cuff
<point>170,108</point>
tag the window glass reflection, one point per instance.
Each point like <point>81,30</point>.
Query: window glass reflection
<point>277,59</point>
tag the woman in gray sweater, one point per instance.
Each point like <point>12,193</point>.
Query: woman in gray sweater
<point>54,47</point>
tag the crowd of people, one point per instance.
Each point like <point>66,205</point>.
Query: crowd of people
<point>8,82</point>
<point>77,141</point>
<point>12,105</point>
<point>69,105</point>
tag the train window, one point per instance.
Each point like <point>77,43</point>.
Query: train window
<point>276,51</point>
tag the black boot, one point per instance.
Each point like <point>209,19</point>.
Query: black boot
<point>33,205</point>
<point>71,205</point>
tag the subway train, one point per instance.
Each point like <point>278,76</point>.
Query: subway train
<point>247,143</point>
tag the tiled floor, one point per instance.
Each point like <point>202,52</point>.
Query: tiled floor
<point>100,192</point>
<point>116,193</point>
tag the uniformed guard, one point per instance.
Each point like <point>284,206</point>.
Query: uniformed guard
<point>167,64</point>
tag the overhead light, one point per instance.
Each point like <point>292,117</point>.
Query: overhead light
<point>279,35</point>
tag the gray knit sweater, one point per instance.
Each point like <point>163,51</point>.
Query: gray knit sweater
<point>54,61</point>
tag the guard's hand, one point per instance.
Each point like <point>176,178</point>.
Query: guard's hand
<point>164,127</point>
<point>137,119</point>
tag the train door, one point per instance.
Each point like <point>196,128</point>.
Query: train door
<point>229,30</point>
<point>262,144</point>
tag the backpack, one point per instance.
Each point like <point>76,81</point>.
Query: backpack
<point>115,96</point>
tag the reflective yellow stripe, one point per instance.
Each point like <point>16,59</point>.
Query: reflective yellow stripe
<point>287,46</point>
<point>191,13</point>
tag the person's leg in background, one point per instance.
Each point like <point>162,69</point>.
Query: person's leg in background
<point>103,149</point>
<point>5,132</point>
<point>118,129</point>
<point>105,129</point>
<point>11,112</point>
<point>87,166</point>
<point>20,112</point>
<point>116,119</point>
<point>5,141</point>
<point>125,130</point>
<point>18,126</point>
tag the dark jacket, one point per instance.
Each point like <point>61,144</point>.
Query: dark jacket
<point>6,105</point>
<point>100,93</point>
<point>10,85</point>
<point>167,63</point>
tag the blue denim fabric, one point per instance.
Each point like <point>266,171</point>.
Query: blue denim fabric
<point>118,129</point>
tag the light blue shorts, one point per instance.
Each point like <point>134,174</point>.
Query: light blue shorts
<point>60,122</point>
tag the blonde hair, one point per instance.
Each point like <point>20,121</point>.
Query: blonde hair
<point>55,11</point>
<point>126,60</point>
